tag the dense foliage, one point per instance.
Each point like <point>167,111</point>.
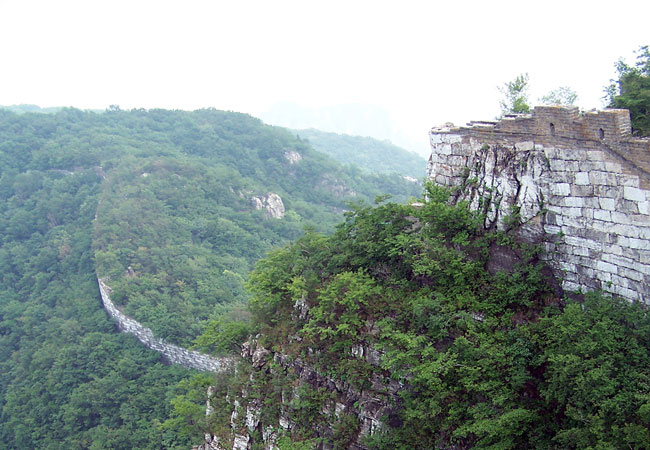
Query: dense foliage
<point>171,191</point>
<point>487,358</point>
<point>632,91</point>
<point>371,155</point>
<point>67,379</point>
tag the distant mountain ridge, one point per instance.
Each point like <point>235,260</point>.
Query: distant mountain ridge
<point>370,154</point>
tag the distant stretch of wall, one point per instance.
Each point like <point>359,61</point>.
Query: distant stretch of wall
<point>172,353</point>
<point>577,183</point>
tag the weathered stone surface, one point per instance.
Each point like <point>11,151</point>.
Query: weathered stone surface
<point>582,195</point>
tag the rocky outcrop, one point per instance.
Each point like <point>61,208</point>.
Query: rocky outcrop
<point>270,202</point>
<point>172,353</point>
<point>249,421</point>
<point>576,183</point>
<point>292,156</point>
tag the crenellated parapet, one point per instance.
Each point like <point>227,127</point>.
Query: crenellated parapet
<point>578,183</point>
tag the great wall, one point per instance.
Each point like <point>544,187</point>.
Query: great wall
<point>577,183</point>
<point>172,353</point>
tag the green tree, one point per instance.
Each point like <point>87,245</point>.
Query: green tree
<point>561,96</point>
<point>632,91</point>
<point>515,96</point>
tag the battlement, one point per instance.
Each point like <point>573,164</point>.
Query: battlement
<point>557,122</point>
<point>565,127</point>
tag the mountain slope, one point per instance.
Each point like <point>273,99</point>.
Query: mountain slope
<point>370,154</point>
<point>178,229</point>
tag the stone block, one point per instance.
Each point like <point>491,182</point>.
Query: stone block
<point>634,194</point>
<point>606,191</point>
<point>642,244</point>
<point>626,293</point>
<point>524,146</point>
<point>588,166</point>
<point>627,180</point>
<point>573,154</point>
<point>644,232</point>
<point>644,208</point>
<point>621,261</point>
<point>606,267</point>
<point>608,204</point>
<point>572,212</point>
<point>644,258</point>
<point>612,167</point>
<point>574,201</point>
<point>582,190</point>
<point>571,286</point>
<point>581,242</point>
<point>564,166</point>
<point>442,149</point>
<point>552,229</point>
<point>602,178</point>
<point>579,251</point>
<point>627,206</point>
<point>619,217</point>
<point>630,274</point>
<point>625,230</point>
<point>600,214</point>
<point>582,178</point>
<point>562,189</point>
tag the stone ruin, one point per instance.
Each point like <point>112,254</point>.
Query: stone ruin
<point>576,182</point>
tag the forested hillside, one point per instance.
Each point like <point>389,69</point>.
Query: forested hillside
<point>372,155</point>
<point>176,230</point>
<point>67,380</point>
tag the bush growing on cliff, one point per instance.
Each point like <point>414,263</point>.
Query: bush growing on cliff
<point>488,360</point>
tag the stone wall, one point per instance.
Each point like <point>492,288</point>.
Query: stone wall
<point>578,183</point>
<point>172,353</point>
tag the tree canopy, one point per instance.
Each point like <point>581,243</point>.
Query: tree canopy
<point>515,96</point>
<point>632,91</point>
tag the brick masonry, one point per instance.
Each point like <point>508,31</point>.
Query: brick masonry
<point>578,183</point>
<point>172,353</point>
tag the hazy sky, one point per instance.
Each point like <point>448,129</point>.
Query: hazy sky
<point>425,62</point>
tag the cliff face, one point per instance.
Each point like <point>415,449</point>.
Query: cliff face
<point>284,395</point>
<point>578,184</point>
